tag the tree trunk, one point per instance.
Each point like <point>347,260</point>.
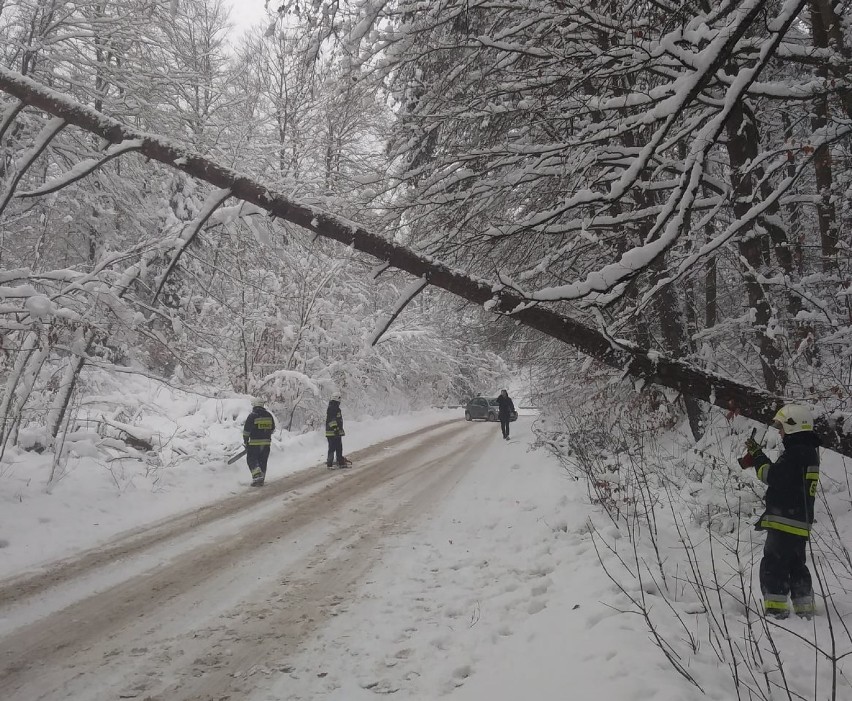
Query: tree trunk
<point>710,294</point>
<point>797,262</point>
<point>31,353</point>
<point>677,344</point>
<point>67,385</point>
<point>823,12</point>
<point>826,214</point>
<point>742,145</point>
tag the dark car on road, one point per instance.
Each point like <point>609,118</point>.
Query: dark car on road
<point>484,408</point>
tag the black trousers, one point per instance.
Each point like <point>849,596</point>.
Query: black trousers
<point>256,457</point>
<point>783,570</point>
<point>335,447</point>
<point>504,425</point>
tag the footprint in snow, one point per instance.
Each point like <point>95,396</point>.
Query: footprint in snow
<point>441,642</point>
<point>593,619</point>
<point>383,686</point>
<point>462,673</point>
<point>540,571</point>
<point>536,606</point>
<point>407,632</point>
<point>457,679</point>
<point>540,589</point>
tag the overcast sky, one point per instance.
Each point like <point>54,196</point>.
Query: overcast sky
<point>245,13</point>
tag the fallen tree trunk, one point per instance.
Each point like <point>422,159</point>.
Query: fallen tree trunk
<point>635,361</point>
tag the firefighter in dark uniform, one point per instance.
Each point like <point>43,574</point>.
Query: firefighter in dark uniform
<point>334,433</point>
<point>257,437</point>
<point>792,484</point>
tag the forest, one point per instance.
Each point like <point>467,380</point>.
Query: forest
<point>636,214</point>
<point>650,200</point>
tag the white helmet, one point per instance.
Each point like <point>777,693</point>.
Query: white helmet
<point>335,398</point>
<point>794,418</point>
<point>257,401</point>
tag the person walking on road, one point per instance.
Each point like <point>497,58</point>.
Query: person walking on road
<point>505,409</point>
<point>257,439</point>
<point>334,434</point>
<point>792,482</point>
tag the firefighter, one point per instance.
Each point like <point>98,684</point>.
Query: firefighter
<point>257,437</point>
<point>792,483</point>
<point>334,433</point>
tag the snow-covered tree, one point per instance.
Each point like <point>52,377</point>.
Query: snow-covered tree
<point>633,165</point>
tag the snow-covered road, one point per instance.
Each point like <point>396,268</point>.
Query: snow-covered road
<point>185,609</point>
<point>447,563</point>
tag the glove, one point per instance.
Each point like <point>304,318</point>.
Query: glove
<point>753,448</point>
<point>754,454</point>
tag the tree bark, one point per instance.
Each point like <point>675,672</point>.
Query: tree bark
<point>742,145</point>
<point>751,402</point>
<point>826,214</point>
<point>822,11</point>
<point>32,347</point>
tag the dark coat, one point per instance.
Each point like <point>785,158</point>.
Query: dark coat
<point>506,406</point>
<point>259,427</point>
<point>334,420</point>
<point>792,483</point>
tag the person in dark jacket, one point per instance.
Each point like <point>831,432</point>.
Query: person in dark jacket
<point>505,409</point>
<point>792,483</point>
<point>334,434</point>
<point>257,438</point>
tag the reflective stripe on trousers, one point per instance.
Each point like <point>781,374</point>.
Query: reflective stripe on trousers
<point>775,603</point>
<point>787,525</point>
<point>804,605</point>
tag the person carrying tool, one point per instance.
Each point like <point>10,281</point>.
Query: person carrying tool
<point>792,482</point>
<point>257,439</point>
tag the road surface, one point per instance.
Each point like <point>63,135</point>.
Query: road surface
<point>182,610</point>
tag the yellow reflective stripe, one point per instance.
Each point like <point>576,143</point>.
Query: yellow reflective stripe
<point>804,605</point>
<point>264,424</point>
<point>260,441</point>
<point>785,527</point>
<point>763,471</point>
<point>770,605</point>
<point>812,475</point>
<point>774,518</point>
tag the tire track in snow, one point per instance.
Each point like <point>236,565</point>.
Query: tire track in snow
<point>172,632</point>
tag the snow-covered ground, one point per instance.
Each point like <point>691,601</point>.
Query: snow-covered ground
<point>519,586</point>
<point>497,595</point>
<point>96,498</point>
<point>499,592</point>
